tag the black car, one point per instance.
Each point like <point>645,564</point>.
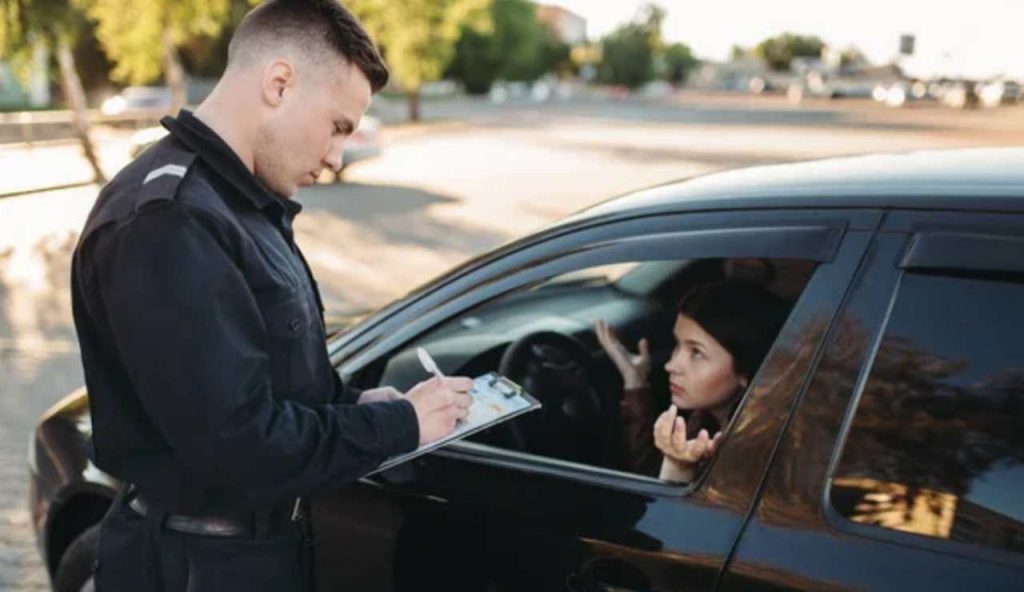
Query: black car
<point>880,445</point>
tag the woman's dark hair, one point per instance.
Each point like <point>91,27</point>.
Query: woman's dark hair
<point>316,27</point>
<point>745,318</point>
<point>742,315</point>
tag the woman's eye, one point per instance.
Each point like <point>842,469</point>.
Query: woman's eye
<point>696,353</point>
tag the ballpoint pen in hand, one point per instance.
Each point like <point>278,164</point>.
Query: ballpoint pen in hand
<point>431,366</point>
<point>428,363</point>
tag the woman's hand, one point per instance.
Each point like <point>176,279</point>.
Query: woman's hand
<point>634,368</point>
<point>681,455</point>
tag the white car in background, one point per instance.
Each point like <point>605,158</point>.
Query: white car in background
<point>999,92</point>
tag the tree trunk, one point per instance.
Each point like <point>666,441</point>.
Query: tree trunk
<point>75,97</point>
<point>414,104</point>
<point>173,73</point>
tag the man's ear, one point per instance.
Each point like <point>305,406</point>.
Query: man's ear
<point>278,79</point>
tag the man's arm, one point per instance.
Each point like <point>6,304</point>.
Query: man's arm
<point>189,332</point>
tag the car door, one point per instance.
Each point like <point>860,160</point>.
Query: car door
<point>903,465</point>
<point>478,517</point>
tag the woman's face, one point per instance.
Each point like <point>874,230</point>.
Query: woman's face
<point>700,371</point>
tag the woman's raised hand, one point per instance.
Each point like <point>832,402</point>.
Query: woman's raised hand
<point>681,455</point>
<point>634,367</point>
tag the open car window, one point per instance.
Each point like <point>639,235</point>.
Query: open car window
<point>542,336</point>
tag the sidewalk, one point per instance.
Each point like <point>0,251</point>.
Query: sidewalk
<point>55,164</point>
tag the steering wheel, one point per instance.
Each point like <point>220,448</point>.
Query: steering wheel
<point>557,370</point>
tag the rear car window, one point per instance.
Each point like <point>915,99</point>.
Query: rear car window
<point>936,446</point>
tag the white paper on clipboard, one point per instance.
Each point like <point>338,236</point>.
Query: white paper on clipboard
<point>495,399</point>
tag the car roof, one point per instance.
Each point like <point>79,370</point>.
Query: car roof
<point>989,179</point>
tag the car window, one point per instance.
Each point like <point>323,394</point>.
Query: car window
<point>936,445</point>
<point>543,336</point>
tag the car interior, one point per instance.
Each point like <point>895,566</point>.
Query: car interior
<point>542,337</point>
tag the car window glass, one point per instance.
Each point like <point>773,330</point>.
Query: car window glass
<point>936,446</point>
<point>543,336</point>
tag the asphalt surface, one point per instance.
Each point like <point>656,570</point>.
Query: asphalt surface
<point>474,176</point>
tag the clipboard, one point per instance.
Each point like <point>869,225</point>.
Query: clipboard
<point>495,399</point>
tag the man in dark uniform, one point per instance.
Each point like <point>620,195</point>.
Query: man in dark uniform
<point>201,327</point>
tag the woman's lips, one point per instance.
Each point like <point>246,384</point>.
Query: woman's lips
<point>676,389</point>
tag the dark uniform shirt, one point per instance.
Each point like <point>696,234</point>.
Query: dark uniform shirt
<point>203,341</point>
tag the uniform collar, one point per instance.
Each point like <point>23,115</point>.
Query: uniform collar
<point>223,161</point>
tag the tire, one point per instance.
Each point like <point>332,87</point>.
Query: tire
<point>74,573</point>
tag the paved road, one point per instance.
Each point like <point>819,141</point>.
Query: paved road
<point>478,176</point>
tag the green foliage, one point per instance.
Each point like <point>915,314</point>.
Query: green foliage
<point>518,39</point>
<point>778,52</point>
<point>26,23</point>
<point>628,52</point>
<point>556,55</point>
<point>679,62</point>
<point>475,63</point>
<point>627,57</point>
<point>131,31</point>
<point>518,48</point>
<point>418,37</point>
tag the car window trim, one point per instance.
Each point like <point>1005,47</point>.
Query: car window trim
<point>564,239</point>
<point>525,462</point>
<point>815,241</point>
<point>965,251</point>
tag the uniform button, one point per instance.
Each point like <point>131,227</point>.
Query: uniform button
<point>295,325</point>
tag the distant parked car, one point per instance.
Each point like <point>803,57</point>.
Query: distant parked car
<point>961,95</point>
<point>137,98</point>
<point>150,99</point>
<point>999,92</point>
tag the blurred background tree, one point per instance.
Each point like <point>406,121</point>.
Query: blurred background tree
<point>518,48</point>
<point>626,58</point>
<point>778,52</point>
<point>142,37</point>
<point>635,53</point>
<point>56,25</point>
<point>417,37</point>
<point>679,62</point>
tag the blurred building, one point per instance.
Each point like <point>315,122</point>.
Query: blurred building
<point>570,27</point>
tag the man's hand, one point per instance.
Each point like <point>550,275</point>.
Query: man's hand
<point>379,395</point>
<point>439,403</point>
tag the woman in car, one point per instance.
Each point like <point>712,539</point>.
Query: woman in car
<point>722,331</point>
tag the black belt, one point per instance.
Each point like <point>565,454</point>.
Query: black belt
<point>240,525</point>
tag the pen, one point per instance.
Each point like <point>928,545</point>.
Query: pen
<point>428,363</point>
<point>431,366</point>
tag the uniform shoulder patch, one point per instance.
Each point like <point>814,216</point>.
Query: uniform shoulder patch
<point>161,177</point>
<point>176,170</point>
<point>156,175</point>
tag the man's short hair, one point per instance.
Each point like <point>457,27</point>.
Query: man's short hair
<point>315,27</point>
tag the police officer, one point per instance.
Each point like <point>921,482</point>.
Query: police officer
<point>201,327</point>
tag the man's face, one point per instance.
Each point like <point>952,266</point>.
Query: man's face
<point>306,132</point>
